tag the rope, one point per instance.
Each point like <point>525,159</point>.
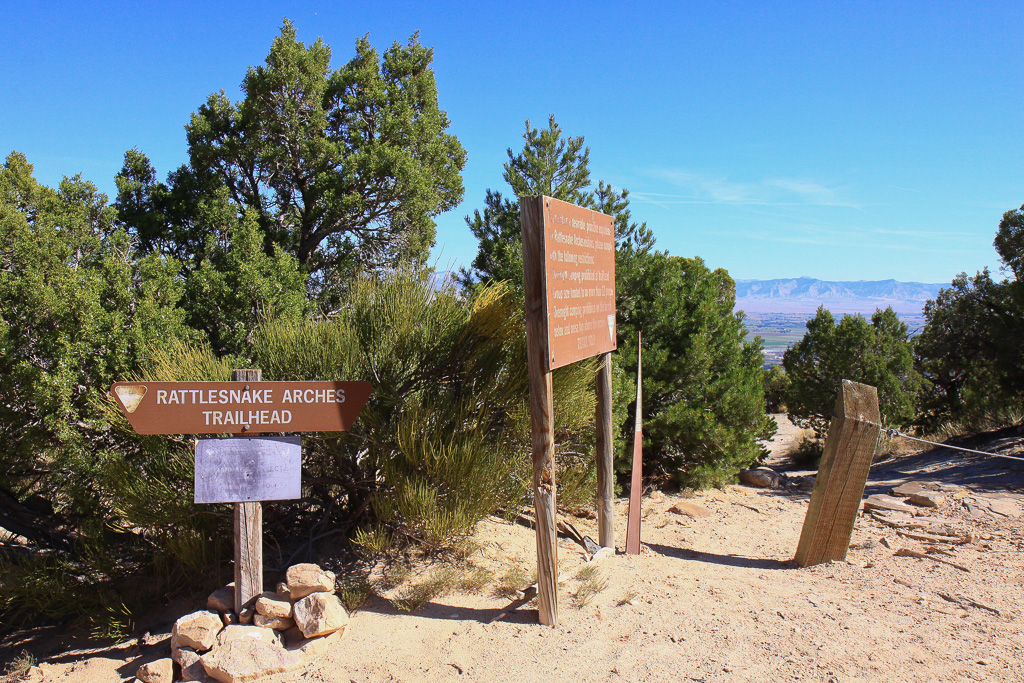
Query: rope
<point>895,432</point>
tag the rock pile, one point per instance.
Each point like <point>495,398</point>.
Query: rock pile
<point>280,631</point>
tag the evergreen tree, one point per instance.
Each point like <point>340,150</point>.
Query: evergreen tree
<point>877,353</point>
<point>548,165</point>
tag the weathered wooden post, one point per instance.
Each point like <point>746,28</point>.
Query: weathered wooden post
<point>842,476</point>
<point>605,469</point>
<point>569,283</point>
<point>248,532</point>
<point>636,484</point>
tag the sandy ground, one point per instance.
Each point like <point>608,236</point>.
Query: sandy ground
<point>714,598</point>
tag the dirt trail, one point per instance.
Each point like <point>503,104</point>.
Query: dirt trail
<point>713,598</point>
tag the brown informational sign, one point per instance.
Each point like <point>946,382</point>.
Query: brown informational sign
<point>240,407</point>
<point>579,274</point>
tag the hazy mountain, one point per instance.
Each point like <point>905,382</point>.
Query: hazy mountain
<point>805,294</point>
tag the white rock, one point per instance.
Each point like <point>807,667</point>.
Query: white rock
<point>318,614</point>
<point>159,671</point>
<point>197,630</point>
<point>246,660</point>
<point>273,605</point>
<point>304,579</point>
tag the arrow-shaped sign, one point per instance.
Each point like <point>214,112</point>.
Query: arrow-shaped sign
<point>240,407</point>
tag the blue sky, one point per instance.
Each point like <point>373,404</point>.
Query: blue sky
<point>859,142</point>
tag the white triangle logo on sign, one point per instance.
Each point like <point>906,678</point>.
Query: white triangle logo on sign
<point>611,326</point>
<point>130,396</point>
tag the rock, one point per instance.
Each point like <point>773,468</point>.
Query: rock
<point>275,623</point>
<point>246,660</point>
<point>160,671</point>
<point>318,614</point>
<point>314,647</point>
<point>282,589</point>
<point>931,499</point>
<point>273,605</point>
<point>222,599</point>
<point>197,630</point>
<point>304,579</point>
<point>762,477</point>
<point>909,488</point>
<point>1005,508</point>
<point>880,501</point>
<point>689,509</point>
<point>245,616</point>
<point>232,633</point>
<point>191,666</point>
<point>656,495</point>
<point>228,618</point>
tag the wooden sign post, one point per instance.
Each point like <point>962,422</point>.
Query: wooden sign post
<point>842,475</point>
<point>256,407</point>
<point>637,479</point>
<point>248,532</point>
<point>569,281</point>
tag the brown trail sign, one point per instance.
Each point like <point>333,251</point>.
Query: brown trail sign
<point>244,406</point>
<point>236,408</point>
<point>569,282</point>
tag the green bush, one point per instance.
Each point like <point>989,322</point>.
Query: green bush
<point>877,353</point>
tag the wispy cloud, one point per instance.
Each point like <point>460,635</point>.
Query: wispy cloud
<point>703,188</point>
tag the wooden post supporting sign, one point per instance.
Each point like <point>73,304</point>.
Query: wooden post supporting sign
<point>248,532</point>
<point>842,475</point>
<point>605,472</point>
<point>637,479</point>
<point>569,282</point>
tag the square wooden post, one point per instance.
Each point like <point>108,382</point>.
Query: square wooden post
<point>842,475</point>
<point>605,470</point>
<point>248,532</point>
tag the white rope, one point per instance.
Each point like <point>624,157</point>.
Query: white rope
<point>896,432</point>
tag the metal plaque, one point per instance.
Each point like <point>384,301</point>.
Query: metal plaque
<point>240,407</point>
<point>241,469</point>
<point>579,273</point>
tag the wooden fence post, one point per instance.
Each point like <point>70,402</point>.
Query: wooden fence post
<point>248,526</point>
<point>605,472</point>
<point>541,409</point>
<point>842,475</point>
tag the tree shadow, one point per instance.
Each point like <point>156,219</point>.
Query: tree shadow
<point>516,612</point>
<point>725,560</point>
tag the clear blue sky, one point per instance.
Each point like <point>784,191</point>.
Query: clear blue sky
<point>858,142</point>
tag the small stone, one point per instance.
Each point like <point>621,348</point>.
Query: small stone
<point>241,661</point>
<point>907,488</point>
<point>191,666</point>
<point>304,579</point>
<point>232,633</point>
<point>880,501</point>
<point>160,671</point>
<point>318,614</point>
<point>932,499</point>
<point>222,599</point>
<point>656,495</point>
<point>273,605</point>
<point>689,509</point>
<point>282,589</point>
<point>245,616</point>
<point>762,478</point>
<point>984,662</point>
<point>228,618</point>
<point>275,623</point>
<point>197,630</point>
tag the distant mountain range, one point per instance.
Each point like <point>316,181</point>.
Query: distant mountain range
<point>805,294</point>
